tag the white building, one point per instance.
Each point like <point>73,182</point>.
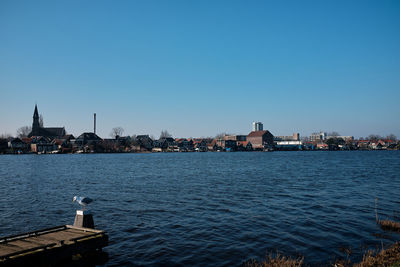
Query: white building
<point>257,126</point>
<point>318,136</point>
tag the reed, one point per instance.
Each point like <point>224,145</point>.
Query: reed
<point>386,257</point>
<point>389,225</point>
<point>277,261</point>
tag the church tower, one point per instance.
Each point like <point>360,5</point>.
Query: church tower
<point>35,124</point>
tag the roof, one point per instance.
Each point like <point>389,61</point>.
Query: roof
<point>143,136</point>
<point>257,133</point>
<point>55,131</point>
<point>26,140</point>
<point>16,140</point>
<point>68,136</point>
<point>89,136</point>
<point>58,141</point>
<point>48,132</point>
<point>36,113</point>
<point>168,139</point>
<point>243,143</point>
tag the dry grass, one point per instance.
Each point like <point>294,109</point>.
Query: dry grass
<point>389,225</point>
<point>388,257</point>
<point>277,261</point>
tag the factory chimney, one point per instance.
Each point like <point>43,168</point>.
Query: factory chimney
<point>94,118</point>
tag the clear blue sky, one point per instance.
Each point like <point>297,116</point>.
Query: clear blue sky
<point>198,68</point>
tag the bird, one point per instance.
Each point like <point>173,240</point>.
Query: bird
<point>83,201</point>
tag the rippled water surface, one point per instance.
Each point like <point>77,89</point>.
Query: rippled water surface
<point>210,208</point>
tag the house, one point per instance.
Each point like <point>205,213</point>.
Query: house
<point>87,139</point>
<point>68,137</point>
<point>322,146</point>
<point>226,144</point>
<point>160,145</point>
<point>244,146</point>
<point>17,145</point>
<point>143,143</point>
<point>184,145</point>
<point>363,144</point>
<point>200,145</point>
<point>168,143</point>
<point>260,139</point>
<point>213,146</point>
<point>42,144</point>
<point>377,144</point>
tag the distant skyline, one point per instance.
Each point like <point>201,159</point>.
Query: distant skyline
<point>199,68</point>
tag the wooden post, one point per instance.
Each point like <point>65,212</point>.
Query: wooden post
<point>83,220</point>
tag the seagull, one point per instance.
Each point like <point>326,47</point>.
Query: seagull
<point>83,201</point>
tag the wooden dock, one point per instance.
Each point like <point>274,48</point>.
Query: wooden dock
<point>49,246</point>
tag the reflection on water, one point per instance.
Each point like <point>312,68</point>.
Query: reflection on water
<point>98,258</point>
<point>210,208</point>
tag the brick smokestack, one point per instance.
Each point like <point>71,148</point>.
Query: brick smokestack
<point>94,121</point>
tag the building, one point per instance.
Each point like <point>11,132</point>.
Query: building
<point>144,143</point>
<point>294,137</point>
<point>315,137</point>
<point>226,144</point>
<point>260,139</point>
<point>41,144</point>
<point>244,146</point>
<point>87,139</point>
<point>235,137</point>
<point>17,145</point>
<point>289,145</point>
<point>38,130</point>
<point>257,126</point>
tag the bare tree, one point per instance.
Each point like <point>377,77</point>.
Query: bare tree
<point>117,131</point>
<point>221,135</point>
<point>165,134</point>
<point>24,131</point>
<point>5,136</point>
<point>374,137</point>
<point>41,124</point>
<point>391,137</point>
<point>333,134</point>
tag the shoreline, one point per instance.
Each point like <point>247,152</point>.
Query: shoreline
<point>175,152</point>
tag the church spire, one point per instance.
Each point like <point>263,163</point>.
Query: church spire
<point>36,113</point>
<point>35,124</point>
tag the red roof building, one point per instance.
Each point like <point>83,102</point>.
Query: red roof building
<point>260,139</point>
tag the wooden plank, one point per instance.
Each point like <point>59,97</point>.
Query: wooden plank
<point>46,239</point>
<point>63,235</point>
<point>52,244</point>
<point>4,249</point>
<point>84,229</point>
<point>23,244</point>
<point>37,242</point>
<point>77,231</point>
<point>24,235</point>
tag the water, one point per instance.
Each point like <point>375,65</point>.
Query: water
<point>210,208</point>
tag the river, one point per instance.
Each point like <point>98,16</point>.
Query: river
<point>210,209</point>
